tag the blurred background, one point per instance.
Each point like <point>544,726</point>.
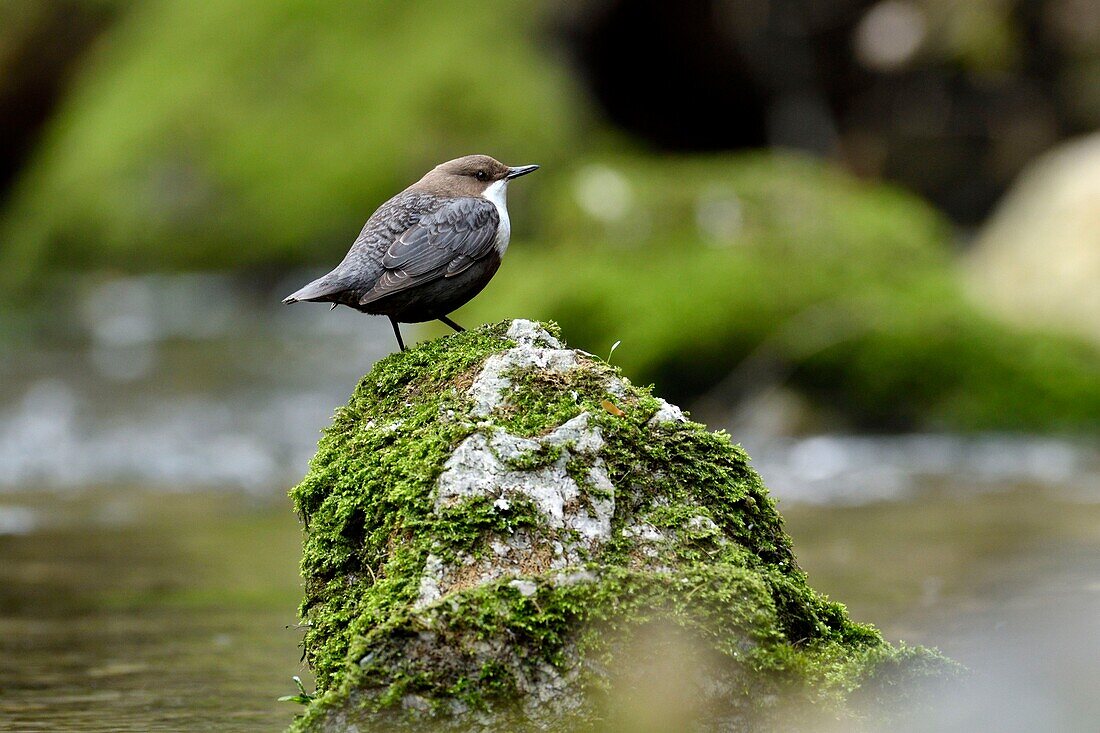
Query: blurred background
<point>861,235</point>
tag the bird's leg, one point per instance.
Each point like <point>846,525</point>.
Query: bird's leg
<point>451,323</point>
<point>397,332</point>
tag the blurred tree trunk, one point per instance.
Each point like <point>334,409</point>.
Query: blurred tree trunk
<point>41,45</point>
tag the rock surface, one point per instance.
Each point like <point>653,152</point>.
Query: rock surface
<point>505,534</point>
<point>1037,262</point>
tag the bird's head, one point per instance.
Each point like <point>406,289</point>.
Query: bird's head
<point>470,175</point>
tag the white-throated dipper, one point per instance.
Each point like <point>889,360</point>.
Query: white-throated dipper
<point>429,249</point>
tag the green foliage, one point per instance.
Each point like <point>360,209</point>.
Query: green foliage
<point>302,697</point>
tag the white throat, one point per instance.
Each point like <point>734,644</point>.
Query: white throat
<point>497,194</point>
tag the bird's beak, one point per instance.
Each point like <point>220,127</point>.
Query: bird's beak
<point>521,170</point>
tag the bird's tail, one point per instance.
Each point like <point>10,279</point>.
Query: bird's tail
<point>319,289</point>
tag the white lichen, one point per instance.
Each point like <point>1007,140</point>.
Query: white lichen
<point>535,349</point>
<point>526,588</point>
<point>576,517</point>
<point>667,413</point>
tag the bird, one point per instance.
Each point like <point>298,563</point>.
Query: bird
<point>428,250</point>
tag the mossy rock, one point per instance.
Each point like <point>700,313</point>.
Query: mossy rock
<point>501,532</point>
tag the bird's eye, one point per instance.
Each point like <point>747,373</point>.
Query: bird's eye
<point>481,176</point>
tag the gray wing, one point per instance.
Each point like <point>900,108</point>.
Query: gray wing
<point>442,243</point>
<point>362,265</point>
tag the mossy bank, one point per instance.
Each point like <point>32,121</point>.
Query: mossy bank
<point>502,533</point>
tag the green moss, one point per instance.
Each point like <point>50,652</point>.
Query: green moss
<point>367,497</point>
<point>541,457</point>
<point>721,570</point>
<point>541,400</point>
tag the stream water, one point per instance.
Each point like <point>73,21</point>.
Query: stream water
<point>148,555</point>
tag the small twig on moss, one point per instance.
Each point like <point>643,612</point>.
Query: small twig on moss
<point>302,698</point>
<point>613,347</point>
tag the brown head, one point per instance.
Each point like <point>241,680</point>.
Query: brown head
<point>469,175</point>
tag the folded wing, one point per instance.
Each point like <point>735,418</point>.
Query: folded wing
<point>441,244</point>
